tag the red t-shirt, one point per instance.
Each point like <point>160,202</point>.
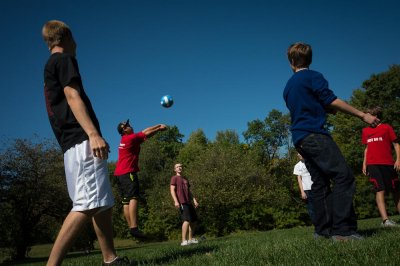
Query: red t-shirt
<point>181,188</point>
<point>128,153</point>
<point>379,141</point>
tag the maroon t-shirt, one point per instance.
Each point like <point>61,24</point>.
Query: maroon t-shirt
<point>181,188</point>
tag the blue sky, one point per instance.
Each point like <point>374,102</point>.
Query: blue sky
<point>223,62</point>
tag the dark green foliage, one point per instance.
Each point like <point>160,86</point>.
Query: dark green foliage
<point>33,193</point>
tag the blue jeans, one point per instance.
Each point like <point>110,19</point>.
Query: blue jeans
<point>333,186</point>
<point>310,208</point>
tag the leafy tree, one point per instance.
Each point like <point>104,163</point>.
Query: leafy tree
<point>229,185</point>
<point>269,136</point>
<point>194,147</point>
<point>32,188</point>
<point>228,137</point>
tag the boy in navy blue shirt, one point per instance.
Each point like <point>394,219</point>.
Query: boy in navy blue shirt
<point>308,97</point>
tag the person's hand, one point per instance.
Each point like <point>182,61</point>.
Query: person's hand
<point>196,204</point>
<point>99,146</point>
<point>364,169</point>
<point>177,205</point>
<point>163,127</point>
<point>303,195</point>
<point>373,121</point>
<point>397,165</point>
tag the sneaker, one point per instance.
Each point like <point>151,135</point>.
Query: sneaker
<point>185,243</point>
<point>123,261</point>
<point>388,223</point>
<point>353,237</point>
<point>137,233</point>
<point>193,241</point>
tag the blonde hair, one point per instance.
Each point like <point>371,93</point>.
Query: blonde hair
<point>300,54</point>
<point>54,32</point>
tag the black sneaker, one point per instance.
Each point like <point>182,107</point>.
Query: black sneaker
<point>137,233</point>
<point>123,261</point>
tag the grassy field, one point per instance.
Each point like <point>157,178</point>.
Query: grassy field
<point>277,247</point>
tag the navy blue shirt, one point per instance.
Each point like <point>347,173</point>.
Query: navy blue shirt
<point>306,95</point>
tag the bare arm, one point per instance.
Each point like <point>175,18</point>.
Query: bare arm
<point>150,131</point>
<point>344,107</point>
<point>364,167</point>
<point>303,194</point>
<point>174,197</point>
<point>98,145</point>
<point>196,204</point>
<point>397,150</point>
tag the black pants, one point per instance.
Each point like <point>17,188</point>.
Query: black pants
<point>333,205</point>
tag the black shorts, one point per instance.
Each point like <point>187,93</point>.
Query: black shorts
<point>128,186</point>
<point>383,177</point>
<point>188,213</point>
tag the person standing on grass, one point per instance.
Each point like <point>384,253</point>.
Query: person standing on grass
<point>126,171</point>
<point>183,198</point>
<point>77,130</point>
<point>305,183</point>
<point>308,98</point>
<point>379,165</point>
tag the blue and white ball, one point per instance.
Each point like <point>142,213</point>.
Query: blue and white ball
<point>167,101</point>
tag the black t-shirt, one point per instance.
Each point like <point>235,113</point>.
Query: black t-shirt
<point>60,70</point>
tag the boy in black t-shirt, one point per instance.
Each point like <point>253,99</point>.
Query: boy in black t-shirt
<point>85,151</point>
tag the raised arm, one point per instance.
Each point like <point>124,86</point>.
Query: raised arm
<point>150,131</point>
<point>344,107</point>
<point>98,145</point>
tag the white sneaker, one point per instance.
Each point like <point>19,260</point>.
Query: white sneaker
<point>388,223</point>
<point>193,241</point>
<point>185,243</point>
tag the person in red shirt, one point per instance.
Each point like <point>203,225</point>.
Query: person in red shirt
<point>183,197</point>
<point>127,168</point>
<point>379,165</point>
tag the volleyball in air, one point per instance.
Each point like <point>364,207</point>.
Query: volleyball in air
<point>167,101</point>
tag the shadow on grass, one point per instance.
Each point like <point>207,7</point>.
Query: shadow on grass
<point>184,252</point>
<point>371,232</point>
<point>44,259</point>
<point>77,254</point>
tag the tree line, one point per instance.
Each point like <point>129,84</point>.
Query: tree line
<point>240,185</point>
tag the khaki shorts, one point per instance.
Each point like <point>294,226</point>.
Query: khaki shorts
<point>87,179</point>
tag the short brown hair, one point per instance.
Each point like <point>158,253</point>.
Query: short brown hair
<point>300,54</point>
<point>54,32</point>
<point>376,111</point>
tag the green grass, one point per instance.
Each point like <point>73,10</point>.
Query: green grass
<point>294,246</point>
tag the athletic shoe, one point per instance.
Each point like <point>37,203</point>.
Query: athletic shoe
<point>123,261</point>
<point>193,241</point>
<point>389,223</point>
<point>185,243</point>
<point>353,237</point>
<point>135,232</point>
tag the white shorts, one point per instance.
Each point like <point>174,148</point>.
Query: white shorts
<point>87,179</point>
